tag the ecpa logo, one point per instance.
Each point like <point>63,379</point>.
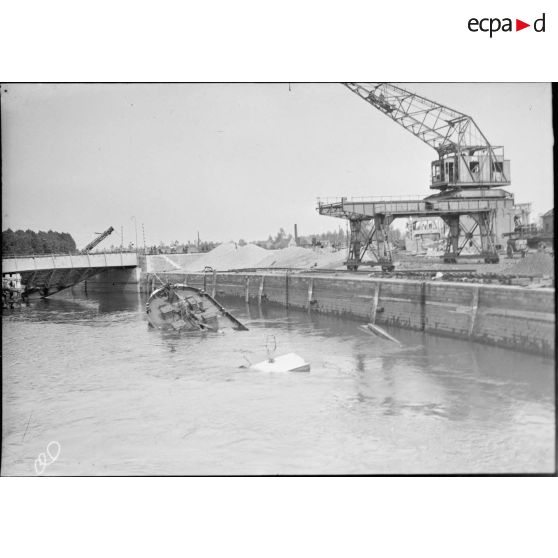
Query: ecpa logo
<point>494,24</point>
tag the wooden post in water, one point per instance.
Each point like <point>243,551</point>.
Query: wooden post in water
<point>375,302</point>
<point>474,310</point>
<point>310,292</point>
<point>260,291</point>
<point>422,306</point>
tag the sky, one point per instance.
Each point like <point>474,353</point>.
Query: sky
<point>234,161</point>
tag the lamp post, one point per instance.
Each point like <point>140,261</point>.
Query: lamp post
<point>136,227</point>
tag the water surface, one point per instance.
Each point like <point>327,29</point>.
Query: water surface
<point>121,398</point>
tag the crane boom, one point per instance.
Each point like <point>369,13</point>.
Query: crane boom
<point>465,157</point>
<point>98,240</point>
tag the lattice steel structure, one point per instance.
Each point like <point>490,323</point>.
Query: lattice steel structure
<point>466,173</point>
<point>465,157</point>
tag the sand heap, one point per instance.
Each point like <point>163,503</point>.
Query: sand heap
<point>230,255</point>
<point>294,256</point>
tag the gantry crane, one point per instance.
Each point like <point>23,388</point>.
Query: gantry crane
<point>467,170</point>
<point>98,240</point>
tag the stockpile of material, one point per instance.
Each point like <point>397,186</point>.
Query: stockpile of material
<point>294,256</point>
<point>171,262</point>
<point>536,264</point>
<point>230,255</point>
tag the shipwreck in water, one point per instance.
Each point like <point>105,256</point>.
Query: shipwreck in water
<point>182,308</point>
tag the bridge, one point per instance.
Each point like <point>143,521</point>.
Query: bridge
<point>51,273</point>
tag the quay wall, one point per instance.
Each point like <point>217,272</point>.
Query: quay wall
<point>500,315</point>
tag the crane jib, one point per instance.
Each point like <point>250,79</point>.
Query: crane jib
<point>466,158</point>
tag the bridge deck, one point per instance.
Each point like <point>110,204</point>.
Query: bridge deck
<point>23,264</point>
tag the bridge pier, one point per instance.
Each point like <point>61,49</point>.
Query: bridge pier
<point>113,280</point>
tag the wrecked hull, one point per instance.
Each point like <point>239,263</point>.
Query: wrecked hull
<point>182,308</point>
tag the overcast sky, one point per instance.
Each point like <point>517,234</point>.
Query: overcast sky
<point>235,161</point>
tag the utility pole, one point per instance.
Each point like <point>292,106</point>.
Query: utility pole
<point>143,231</point>
<point>136,227</point>
<point>198,241</point>
<point>121,237</point>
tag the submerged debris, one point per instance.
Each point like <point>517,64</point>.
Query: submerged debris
<point>182,308</point>
<point>290,362</point>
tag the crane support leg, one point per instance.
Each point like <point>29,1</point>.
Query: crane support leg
<point>460,237</point>
<point>452,245</point>
<point>359,242</point>
<point>383,247</point>
<point>485,221</point>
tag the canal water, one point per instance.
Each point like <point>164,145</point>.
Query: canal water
<point>89,389</point>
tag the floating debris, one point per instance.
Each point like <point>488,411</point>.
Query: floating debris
<point>377,330</point>
<point>290,362</point>
<point>182,308</point>
<point>13,292</point>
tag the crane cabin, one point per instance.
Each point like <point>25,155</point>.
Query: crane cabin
<point>484,167</point>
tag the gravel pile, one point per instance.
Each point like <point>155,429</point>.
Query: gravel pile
<point>230,255</point>
<point>536,264</point>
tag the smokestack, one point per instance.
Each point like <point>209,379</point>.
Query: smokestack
<point>296,234</point>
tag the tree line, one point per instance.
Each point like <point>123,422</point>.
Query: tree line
<point>30,242</point>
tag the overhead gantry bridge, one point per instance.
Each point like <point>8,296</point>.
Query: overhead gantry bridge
<point>48,274</point>
<point>371,217</point>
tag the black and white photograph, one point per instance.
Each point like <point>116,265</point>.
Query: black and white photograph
<point>291,278</point>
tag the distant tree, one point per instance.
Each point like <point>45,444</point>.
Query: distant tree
<point>8,239</point>
<point>207,246</point>
<point>29,242</point>
<point>242,242</point>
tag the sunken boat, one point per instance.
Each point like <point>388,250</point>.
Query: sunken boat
<point>183,308</point>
